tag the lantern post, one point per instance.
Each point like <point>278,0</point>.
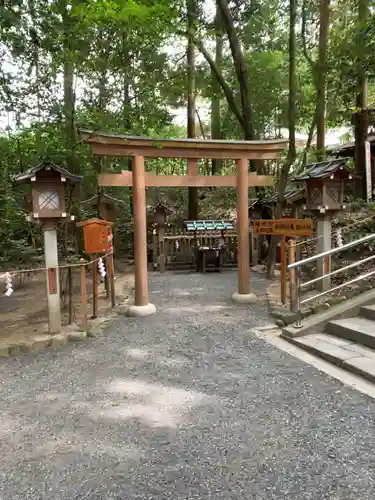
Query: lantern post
<point>324,183</point>
<point>48,186</point>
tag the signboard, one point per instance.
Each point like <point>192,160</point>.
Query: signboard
<point>368,172</point>
<point>284,227</point>
<point>52,281</point>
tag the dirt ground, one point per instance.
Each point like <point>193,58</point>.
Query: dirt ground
<point>25,314</point>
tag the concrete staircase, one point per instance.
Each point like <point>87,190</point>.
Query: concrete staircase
<point>348,342</point>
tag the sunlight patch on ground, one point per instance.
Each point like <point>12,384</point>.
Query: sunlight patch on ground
<point>155,404</point>
<point>137,353</point>
<point>200,308</point>
<point>156,356</point>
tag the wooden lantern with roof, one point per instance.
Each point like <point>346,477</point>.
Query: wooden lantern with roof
<point>48,186</point>
<point>324,182</point>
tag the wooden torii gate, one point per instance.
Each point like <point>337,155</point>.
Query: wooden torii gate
<point>191,149</point>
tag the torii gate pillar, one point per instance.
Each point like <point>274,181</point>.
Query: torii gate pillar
<point>243,296</point>
<point>141,306</point>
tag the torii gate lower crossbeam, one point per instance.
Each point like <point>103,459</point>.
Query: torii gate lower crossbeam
<point>139,148</point>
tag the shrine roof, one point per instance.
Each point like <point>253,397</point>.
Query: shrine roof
<point>103,197</point>
<point>126,145</point>
<point>253,202</point>
<point>323,169</point>
<point>208,225</point>
<point>348,146</point>
<point>45,165</point>
<point>291,196</point>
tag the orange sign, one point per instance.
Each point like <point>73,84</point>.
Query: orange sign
<point>284,227</point>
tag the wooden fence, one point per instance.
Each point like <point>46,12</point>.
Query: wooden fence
<point>176,249</point>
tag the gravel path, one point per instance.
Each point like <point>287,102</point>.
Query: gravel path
<point>185,404</point>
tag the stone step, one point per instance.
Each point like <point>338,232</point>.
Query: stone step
<point>360,330</point>
<point>344,353</point>
<point>368,312</point>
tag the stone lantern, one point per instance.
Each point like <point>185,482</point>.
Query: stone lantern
<point>324,183</point>
<point>48,187</point>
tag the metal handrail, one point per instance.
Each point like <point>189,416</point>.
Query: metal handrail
<point>333,251</point>
<point>336,271</point>
<point>299,285</point>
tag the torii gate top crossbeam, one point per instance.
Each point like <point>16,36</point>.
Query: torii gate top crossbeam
<point>123,145</point>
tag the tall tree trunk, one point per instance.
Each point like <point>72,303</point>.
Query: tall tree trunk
<point>216,90</point>
<point>69,94</point>
<point>361,116</point>
<point>191,18</point>
<point>240,67</point>
<point>309,141</point>
<point>36,59</point>
<point>69,104</point>
<point>102,102</point>
<point>321,76</point>
<point>242,75</point>
<point>126,106</point>
<point>292,99</point>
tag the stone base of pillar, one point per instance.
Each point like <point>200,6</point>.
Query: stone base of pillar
<point>244,298</point>
<point>138,311</point>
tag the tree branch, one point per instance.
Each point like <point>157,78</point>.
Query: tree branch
<point>239,65</point>
<point>223,84</point>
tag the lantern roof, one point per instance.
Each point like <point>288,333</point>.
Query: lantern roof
<point>161,204</point>
<point>46,165</point>
<point>323,169</point>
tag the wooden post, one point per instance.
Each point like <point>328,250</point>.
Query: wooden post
<point>292,274</point>
<point>94,265</point>
<point>111,278</point>
<point>254,248</point>
<point>154,249</point>
<point>140,230</point>
<point>83,294</point>
<point>106,279</point>
<point>243,227</point>
<point>299,215</point>
<point>283,269</point>
<point>192,169</point>
<point>323,244</point>
<point>161,234</point>
<point>53,284</point>
<point>70,295</point>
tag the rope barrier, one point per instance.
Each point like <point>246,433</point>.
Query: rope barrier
<point>85,263</point>
<point>20,271</point>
